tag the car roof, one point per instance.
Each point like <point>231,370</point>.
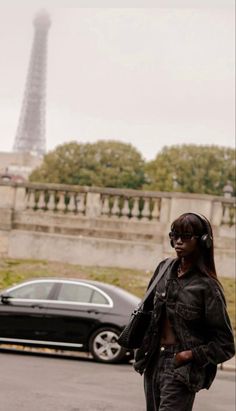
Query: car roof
<point>115,290</point>
<point>68,279</point>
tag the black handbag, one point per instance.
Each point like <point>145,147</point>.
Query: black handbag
<point>133,334</point>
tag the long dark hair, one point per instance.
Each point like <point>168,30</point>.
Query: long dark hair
<point>198,225</point>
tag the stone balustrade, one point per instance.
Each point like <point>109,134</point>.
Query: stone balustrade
<point>121,204</point>
<point>115,218</point>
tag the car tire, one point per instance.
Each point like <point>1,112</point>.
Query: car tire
<point>104,347</point>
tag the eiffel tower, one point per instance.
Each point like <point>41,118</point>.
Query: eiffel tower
<point>30,135</point>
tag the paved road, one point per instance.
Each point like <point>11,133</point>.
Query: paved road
<point>39,383</point>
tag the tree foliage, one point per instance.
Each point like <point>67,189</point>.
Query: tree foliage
<point>184,168</point>
<point>192,169</point>
<point>103,164</point>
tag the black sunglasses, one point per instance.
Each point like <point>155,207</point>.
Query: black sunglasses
<point>174,235</point>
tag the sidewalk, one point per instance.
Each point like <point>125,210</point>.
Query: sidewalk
<point>229,365</point>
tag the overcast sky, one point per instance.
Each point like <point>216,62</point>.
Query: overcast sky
<point>149,76</point>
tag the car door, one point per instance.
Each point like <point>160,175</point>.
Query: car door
<point>22,311</point>
<point>77,310</point>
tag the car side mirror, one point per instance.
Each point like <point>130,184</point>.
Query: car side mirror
<point>5,298</point>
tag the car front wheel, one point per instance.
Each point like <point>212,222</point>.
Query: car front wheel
<point>104,346</point>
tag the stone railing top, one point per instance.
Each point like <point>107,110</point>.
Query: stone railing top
<point>117,191</point>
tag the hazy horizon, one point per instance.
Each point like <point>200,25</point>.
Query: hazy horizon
<point>151,77</point>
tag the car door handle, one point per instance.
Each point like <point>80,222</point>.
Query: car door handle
<point>36,306</point>
<point>92,312</point>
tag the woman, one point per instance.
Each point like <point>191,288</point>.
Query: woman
<point>190,331</point>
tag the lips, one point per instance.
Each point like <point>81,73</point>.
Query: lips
<point>178,249</point>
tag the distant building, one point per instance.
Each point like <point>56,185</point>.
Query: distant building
<point>17,166</point>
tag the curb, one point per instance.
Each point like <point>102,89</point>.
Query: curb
<point>229,365</point>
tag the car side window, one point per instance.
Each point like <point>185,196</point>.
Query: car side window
<point>81,294</point>
<point>98,298</point>
<point>36,291</point>
<point>75,292</point>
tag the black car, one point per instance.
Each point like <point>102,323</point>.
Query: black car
<point>66,314</point>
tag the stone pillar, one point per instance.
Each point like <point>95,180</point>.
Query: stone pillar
<point>165,210</point>
<point>217,213</point>
<point>190,204</point>
<point>93,205</point>
<point>7,196</point>
<point>20,198</point>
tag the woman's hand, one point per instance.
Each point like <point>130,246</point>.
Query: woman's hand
<point>183,357</point>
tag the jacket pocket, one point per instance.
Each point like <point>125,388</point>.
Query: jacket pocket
<point>182,373</point>
<point>197,377</point>
<point>191,375</point>
<point>188,312</point>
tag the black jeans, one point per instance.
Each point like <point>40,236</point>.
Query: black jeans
<point>163,391</point>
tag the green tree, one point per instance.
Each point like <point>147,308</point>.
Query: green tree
<point>104,164</point>
<point>192,169</point>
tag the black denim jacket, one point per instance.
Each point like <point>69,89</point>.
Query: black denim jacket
<point>195,306</point>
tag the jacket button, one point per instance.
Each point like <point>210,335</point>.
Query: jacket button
<point>163,294</point>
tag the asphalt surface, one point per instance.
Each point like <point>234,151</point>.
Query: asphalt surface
<point>45,382</point>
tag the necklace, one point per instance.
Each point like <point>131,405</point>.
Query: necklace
<point>180,271</point>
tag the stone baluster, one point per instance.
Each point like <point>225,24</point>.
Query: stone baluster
<point>232,212</point>
<point>156,209</point>
<point>36,199</point>
<point>41,200</point>
<point>146,209</point>
<point>80,203</point>
<point>226,214</point>
<point>233,219</point>
<point>135,209</point>
<point>105,206</point>
<point>60,206</point>
<point>125,209</point>
<point>71,202</point>
<point>31,203</point>
<point>51,201</point>
<point>115,211</point>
